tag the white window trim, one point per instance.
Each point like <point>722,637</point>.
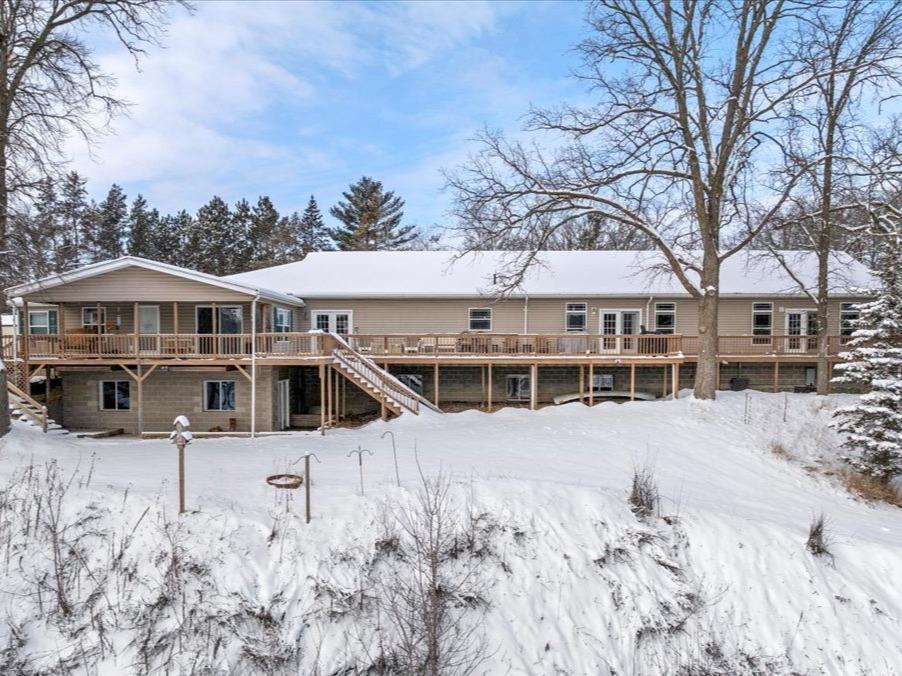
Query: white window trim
<point>314,313</point>
<point>239,307</point>
<point>203,395</point>
<point>673,313</point>
<point>159,320</point>
<point>100,405</point>
<point>584,313</point>
<point>470,320</point>
<point>509,377</point>
<point>275,313</point>
<point>772,312</point>
<point>846,308</point>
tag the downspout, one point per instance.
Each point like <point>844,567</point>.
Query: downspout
<point>526,313</point>
<point>254,366</point>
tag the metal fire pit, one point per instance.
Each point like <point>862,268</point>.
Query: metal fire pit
<point>290,481</point>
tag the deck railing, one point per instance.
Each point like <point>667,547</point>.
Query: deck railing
<point>273,345</point>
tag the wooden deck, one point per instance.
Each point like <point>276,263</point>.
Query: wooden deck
<point>403,348</point>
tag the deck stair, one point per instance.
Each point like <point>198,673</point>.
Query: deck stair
<point>376,381</point>
<point>30,411</point>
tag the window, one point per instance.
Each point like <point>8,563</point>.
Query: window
<point>115,395</point>
<point>413,380</point>
<point>848,315</point>
<point>762,322</point>
<point>602,382</point>
<point>281,320</point>
<point>480,319</point>
<point>219,395</point>
<point>665,317</point>
<point>89,318</point>
<point>518,388</point>
<point>575,317</point>
<point>42,322</point>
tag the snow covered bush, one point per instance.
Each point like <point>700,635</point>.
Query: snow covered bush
<point>873,425</point>
<point>644,492</point>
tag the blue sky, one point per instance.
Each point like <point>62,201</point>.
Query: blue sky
<point>292,99</point>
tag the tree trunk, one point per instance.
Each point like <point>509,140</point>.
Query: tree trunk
<point>706,368</point>
<point>823,317</point>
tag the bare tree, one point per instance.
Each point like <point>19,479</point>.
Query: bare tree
<point>691,94</point>
<point>858,53</point>
<point>51,87</point>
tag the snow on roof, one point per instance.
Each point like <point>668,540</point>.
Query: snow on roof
<point>103,267</point>
<point>436,274</point>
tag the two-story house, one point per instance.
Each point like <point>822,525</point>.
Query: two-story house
<point>132,343</point>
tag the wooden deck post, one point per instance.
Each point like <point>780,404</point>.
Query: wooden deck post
<point>591,384</point>
<point>533,386</point>
<point>140,401</point>
<point>61,329</point>
<point>322,399</point>
<point>664,390</point>
<point>490,388</point>
<point>46,385</point>
<point>175,321</point>
<point>482,384</point>
<point>582,384</point>
<point>830,364</point>
<point>329,377</point>
<point>435,377</point>
<point>215,329</point>
<point>26,331</point>
<point>633,381</point>
<point>135,329</point>
<point>776,376</point>
<point>676,380</point>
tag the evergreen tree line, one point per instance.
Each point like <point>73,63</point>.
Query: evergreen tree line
<point>65,229</point>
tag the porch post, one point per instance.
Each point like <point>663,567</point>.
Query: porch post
<point>591,384</point>
<point>26,330</point>
<point>140,382</point>
<point>482,385</point>
<point>322,399</point>
<point>215,329</point>
<point>254,368</point>
<point>633,381</point>
<point>47,385</point>
<point>97,310</point>
<point>175,322</point>
<point>582,384</point>
<point>533,386</point>
<point>135,329</point>
<point>830,364</point>
<point>664,390</point>
<point>329,376</point>
<point>776,375</point>
<point>676,380</point>
<point>490,387</point>
<point>435,397</point>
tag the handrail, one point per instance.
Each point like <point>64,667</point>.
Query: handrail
<point>384,375</point>
<point>21,394</point>
<point>370,374</point>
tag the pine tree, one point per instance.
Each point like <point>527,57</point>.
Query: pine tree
<point>44,245</point>
<point>873,425</point>
<point>106,227</point>
<point>218,249</point>
<point>142,224</point>
<point>313,235</point>
<point>262,234</point>
<point>166,239</point>
<point>73,208</point>
<point>179,241</point>
<point>370,219</point>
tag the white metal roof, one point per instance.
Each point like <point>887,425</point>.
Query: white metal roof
<point>103,267</point>
<point>436,274</point>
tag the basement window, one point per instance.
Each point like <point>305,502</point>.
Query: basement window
<point>603,382</point>
<point>413,380</point>
<point>115,395</point>
<point>665,317</point>
<point>518,387</point>
<point>219,395</point>
<point>480,319</point>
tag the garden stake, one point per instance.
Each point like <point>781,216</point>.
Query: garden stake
<point>360,452</point>
<point>307,482</point>
<point>394,452</point>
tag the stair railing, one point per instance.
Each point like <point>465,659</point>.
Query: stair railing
<point>40,416</point>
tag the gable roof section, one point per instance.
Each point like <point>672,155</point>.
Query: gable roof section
<point>436,274</point>
<point>125,262</point>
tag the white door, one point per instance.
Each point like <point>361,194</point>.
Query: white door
<point>801,325</point>
<point>333,321</point>
<point>283,408</point>
<point>619,325</point>
<point>149,328</point>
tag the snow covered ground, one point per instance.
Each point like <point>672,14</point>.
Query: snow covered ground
<point>571,581</point>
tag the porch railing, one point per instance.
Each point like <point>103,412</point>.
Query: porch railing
<point>238,345</point>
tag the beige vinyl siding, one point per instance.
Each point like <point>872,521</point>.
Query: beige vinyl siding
<point>131,284</point>
<point>736,314</point>
<point>125,313</point>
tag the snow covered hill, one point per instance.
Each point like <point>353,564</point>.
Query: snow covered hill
<point>552,572</point>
